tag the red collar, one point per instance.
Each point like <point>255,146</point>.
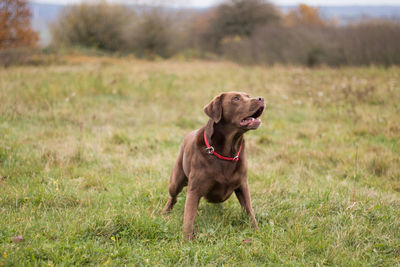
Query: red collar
<point>210,150</point>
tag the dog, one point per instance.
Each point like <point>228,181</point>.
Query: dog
<point>212,160</point>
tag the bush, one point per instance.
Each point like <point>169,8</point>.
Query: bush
<point>303,38</point>
<point>25,56</point>
<point>371,42</point>
<point>93,25</point>
<point>286,45</point>
<point>246,31</point>
<point>360,44</point>
<point>151,35</point>
<point>238,18</point>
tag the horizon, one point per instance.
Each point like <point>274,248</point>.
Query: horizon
<point>211,3</point>
<point>42,15</point>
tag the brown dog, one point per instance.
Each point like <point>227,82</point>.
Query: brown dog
<point>200,163</point>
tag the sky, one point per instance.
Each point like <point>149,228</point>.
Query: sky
<point>207,3</point>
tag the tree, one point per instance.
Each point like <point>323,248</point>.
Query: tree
<point>15,24</point>
<point>304,15</point>
<point>152,34</point>
<point>239,18</point>
<point>98,25</point>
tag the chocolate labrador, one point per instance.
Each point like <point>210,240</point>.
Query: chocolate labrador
<point>212,160</point>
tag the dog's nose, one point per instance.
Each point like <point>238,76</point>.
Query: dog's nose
<point>260,99</point>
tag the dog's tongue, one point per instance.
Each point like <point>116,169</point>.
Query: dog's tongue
<point>250,121</point>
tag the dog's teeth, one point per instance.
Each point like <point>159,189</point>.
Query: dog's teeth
<point>252,119</point>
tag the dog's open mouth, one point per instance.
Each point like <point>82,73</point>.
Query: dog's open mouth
<point>253,121</point>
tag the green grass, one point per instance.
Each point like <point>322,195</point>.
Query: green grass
<point>86,151</point>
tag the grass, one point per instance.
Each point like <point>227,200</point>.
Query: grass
<point>87,147</point>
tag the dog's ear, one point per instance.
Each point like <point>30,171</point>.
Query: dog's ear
<point>214,108</point>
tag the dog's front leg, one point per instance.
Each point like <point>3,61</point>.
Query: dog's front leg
<point>243,195</point>
<point>191,205</point>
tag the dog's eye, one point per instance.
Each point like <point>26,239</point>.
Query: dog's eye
<point>235,98</point>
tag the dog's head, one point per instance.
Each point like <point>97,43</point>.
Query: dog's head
<point>237,109</point>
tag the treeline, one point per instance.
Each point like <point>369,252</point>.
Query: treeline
<point>246,31</point>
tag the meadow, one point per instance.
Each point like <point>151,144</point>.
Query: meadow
<point>87,147</point>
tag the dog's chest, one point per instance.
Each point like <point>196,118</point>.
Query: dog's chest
<point>223,186</point>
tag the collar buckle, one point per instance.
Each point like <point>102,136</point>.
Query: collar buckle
<point>210,150</point>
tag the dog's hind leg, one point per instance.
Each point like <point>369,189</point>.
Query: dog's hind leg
<point>177,181</point>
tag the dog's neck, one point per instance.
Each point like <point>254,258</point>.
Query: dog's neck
<point>226,139</point>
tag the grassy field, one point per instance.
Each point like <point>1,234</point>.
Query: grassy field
<point>86,150</point>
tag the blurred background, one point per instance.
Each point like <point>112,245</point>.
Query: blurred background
<point>313,33</point>
<point>95,98</point>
